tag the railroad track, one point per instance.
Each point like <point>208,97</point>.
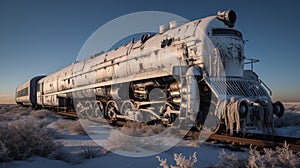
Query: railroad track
<point>243,139</point>
<point>70,114</point>
<point>247,139</point>
<point>260,140</point>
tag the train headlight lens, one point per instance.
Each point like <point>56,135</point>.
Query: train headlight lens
<point>228,17</point>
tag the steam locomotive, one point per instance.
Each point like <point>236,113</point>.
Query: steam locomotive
<point>186,73</point>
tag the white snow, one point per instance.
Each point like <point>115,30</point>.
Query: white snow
<point>206,155</point>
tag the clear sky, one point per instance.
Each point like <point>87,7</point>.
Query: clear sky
<point>39,37</point>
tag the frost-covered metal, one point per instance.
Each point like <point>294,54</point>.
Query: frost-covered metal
<point>26,93</point>
<point>187,71</point>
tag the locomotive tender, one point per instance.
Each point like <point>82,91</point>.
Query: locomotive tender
<point>187,72</point>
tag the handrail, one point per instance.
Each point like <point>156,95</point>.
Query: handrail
<point>270,91</point>
<point>251,61</point>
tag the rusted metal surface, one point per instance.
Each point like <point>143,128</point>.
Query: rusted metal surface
<point>260,140</point>
<point>71,114</point>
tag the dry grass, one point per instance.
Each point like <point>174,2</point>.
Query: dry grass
<point>135,137</point>
<point>15,112</point>
<point>138,129</point>
<point>92,150</point>
<point>43,113</point>
<point>8,107</point>
<point>12,112</point>
<point>74,126</point>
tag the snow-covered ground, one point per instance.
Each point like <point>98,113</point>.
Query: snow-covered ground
<point>75,143</point>
<point>206,155</point>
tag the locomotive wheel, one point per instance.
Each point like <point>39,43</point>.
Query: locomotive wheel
<point>214,125</point>
<point>215,121</point>
<point>211,125</point>
<point>98,109</point>
<point>112,109</point>
<point>126,107</point>
<point>212,122</point>
<point>80,109</point>
<point>88,109</point>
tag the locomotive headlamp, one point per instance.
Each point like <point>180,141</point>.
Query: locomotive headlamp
<point>228,17</point>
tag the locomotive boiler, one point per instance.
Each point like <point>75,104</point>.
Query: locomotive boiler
<point>190,72</point>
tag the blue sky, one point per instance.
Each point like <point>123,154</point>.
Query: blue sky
<point>40,37</point>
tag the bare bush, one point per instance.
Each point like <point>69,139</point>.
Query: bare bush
<point>138,129</point>
<point>4,108</point>
<point>25,138</point>
<point>181,161</point>
<point>282,157</point>
<point>74,126</point>
<point>135,136</point>
<point>11,112</point>
<point>5,117</point>
<point>22,111</point>
<point>229,161</point>
<point>91,151</point>
<point>15,112</point>
<point>4,153</point>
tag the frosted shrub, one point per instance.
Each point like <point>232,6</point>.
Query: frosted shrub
<point>9,112</point>
<point>138,129</point>
<point>181,161</point>
<point>91,151</point>
<point>25,138</point>
<point>133,136</point>
<point>282,157</point>
<point>4,153</point>
<point>4,117</point>
<point>22,111</point>
<point>229,161</point>
<point>286,158</point>
<point>4,108</point>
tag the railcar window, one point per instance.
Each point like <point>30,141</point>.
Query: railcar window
<point>26,91</point>
<point>23,92</point>
<point>227,32</point>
